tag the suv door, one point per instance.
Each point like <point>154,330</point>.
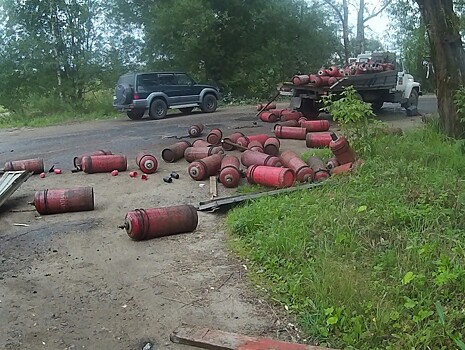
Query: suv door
<point>168,86</point>
<point>186,87</point>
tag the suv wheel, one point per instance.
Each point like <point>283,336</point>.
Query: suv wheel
<point>158,109</point>
<point>209,103</point>
<point>135,114</point>
<point>186,110</point>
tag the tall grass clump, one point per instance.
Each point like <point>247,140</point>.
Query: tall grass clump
<point>375,260</point>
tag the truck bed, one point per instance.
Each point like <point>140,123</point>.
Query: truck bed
<point>369,81</point>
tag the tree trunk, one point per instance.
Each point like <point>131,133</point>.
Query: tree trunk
<point>448,59</point>
<point>361,27</point>
<point>345,30</point>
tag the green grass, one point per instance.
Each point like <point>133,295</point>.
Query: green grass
<point>40,111</point>
<point>375,260</point>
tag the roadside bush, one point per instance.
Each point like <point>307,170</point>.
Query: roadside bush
<point>375,260</point>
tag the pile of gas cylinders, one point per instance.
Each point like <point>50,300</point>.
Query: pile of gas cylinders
<point>330,76</point>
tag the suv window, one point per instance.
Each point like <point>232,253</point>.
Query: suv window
<point>183,79</point>
<point>147,82</point>
<point>166,79</point>
<point>126,79</point>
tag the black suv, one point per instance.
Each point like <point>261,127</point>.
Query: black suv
<point>157,91</point>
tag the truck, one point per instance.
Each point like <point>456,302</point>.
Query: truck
<point>376,87</point>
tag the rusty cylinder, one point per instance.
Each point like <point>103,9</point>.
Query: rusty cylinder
<point>342,169</point>
<point>315,125</point>
<point>249,158</point>
<point>277,112</point>
<point>77,161</point>
<point>200,143</point>
<point>142,224</point>
<point>341,149</point>
<point>289,132</point>
<point>288,123</point>
<point>332,163</point>
<point>271,105</point>
<point>258,137</point>
<point>214,136</point>
<point>268,117</point>
<point>315,80</point>
<point>175,152</point>
<point>147,163</point>
<point>243,141</point>
<point>270,176</point>
<point>35,166</point>
<point>255,145</point>
<point>203,168</point>
<point>333,71</point>
<point>320,172</point>
<point>300,79</point>
<point>290,115</point>
<point>318,139</point>
<point>271,146</point>
<point>292,161</point>
<point>231,138</point>
<point>230,174</point>
<point>195,153</point>
<point>195,130</point>
<point>65,200</point>
<point>104,163</point>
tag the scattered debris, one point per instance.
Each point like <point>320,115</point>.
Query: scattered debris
<point>57,171</point>
<point>174,175</point>
<point>42,175</point>
<point>168,179</point>
<point>114,173</point>
<point>10,182</point>
<point>21,225</point>
<point>213,187</point>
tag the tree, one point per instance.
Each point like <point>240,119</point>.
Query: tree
<point>448,56</point>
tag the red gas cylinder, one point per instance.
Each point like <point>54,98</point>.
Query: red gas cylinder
<point>243,141</point>
<point>268,106</point>
<point>195,130</point>
<point>332,81</point>
<point>318,139</point>
<point>35,166</point>
<point>322,72</point>
<point>332,163</point>
<point>300,79</point>
<point>195,153</point>
<point>341,149</point>
<point>270,176</point>
<point>64,200</point>
<point>232,138</point>
<point>142,224</point>
<point>214,136</point>
<point>258,137</point>
<point>147,163</point>
<point>249,158</point>
<point>230,174</point>
<point>288,123</point>
<point>325,80</point>
<point>78,160</point>
<point>268,117</point>
<point>271,146</point>
<point>320,172</point>
<point>301,119</point>
<point>104,164</point>
<point>290,115</point>
<point>333,71</point>
<point>200,143</point>
<point>175,152</point>
<point>292,161</point>
<point>205,167</point>
<point>315,80</point>
<point>255,145</point>
<point>277,112</point>
<point>289,132</point>
<point>315,125</point>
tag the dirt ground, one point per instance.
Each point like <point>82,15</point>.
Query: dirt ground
<point>76,281</point>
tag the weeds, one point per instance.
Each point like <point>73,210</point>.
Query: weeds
<point>376,261</point>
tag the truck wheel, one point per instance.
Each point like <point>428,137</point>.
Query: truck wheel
<point>158,109</point>
<point>135,114</point>
<point>309,108</point>
<point>377,105</point>
<point>209,104</point>
<point>412,100</point>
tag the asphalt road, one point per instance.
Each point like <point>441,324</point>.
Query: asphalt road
<point>58,144</point>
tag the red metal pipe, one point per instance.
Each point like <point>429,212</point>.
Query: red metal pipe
<point>249,158</point>
<point>270,176</point>
<point>341,149</point>
<point>147,163</point>
<point>175,152</point>
<point>64,200</point>
<point>230,174</point>
<point>195,153</point>
<point>195,130</point>
<point>318,139</point>
<point>271,146</point>
<point>142,224</point>
<point>289,132</point>
<point>214,136</point>
<point>205,167</point>
<point>292,161</point>
<point>77,161</point>
<point>104,164</point>
<point>320,172</point>
<point>315,125</point>
<point>36,166</point>
<point>232,138</point>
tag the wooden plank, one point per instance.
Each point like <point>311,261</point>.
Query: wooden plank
<point>213,187</point>
<point>206,338</point>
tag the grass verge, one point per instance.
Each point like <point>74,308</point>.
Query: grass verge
<point>375,260</point>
